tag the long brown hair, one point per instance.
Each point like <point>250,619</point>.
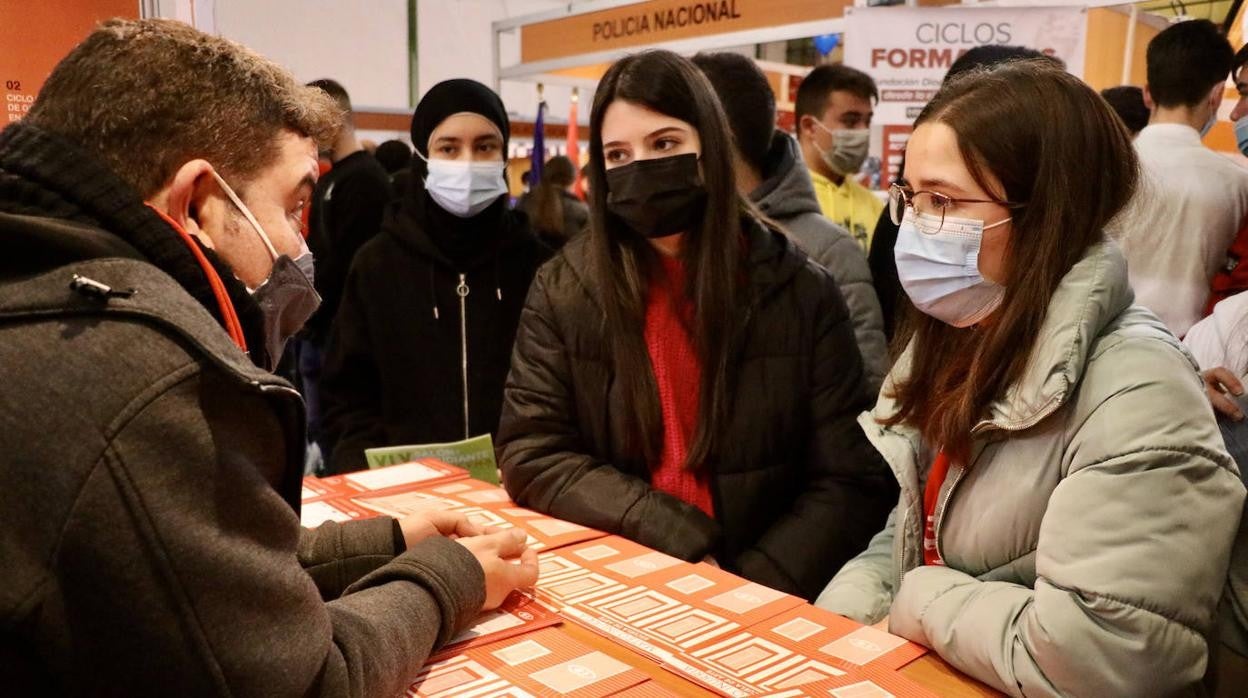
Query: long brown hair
<point>557,174</point>
<point>711,254</point>
<point>1056,147</point>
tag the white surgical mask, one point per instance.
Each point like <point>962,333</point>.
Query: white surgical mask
<point>849,149</point>
<point>465,188</point>
<point>939,267</point>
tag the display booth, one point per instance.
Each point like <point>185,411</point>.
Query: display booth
<point>906,48</point>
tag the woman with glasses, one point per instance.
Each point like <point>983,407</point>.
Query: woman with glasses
<point>1067,506</point>
<point>683,376</point>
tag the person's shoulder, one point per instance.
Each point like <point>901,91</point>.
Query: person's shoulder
<point>1136,347</point>
<point>864,195</point>
<point>563,277</point>
<point>376,251</point>
<point>825,241</point>
<point>125,344</point>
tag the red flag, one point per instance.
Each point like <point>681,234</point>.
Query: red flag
<point>574,146</point>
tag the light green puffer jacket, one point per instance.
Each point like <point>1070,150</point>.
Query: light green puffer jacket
<point>1088,542</point>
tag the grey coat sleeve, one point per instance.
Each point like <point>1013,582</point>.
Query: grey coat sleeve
<point>546,465</point>
<point>200,567</point>
<point>1132,556</point>
<point>863,589</point>
<point>336,555</point>
<point>843,257</point>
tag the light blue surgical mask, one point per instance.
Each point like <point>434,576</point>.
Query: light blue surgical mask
<point>938,265</point>
<point>1241,134</point>
<point>1213,120</point>
<point>465,188</point>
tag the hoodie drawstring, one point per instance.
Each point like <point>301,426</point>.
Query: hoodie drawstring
<point>498,275</point>
<point>433,291</point>
<point>433,295</point>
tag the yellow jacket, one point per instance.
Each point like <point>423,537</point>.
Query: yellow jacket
<point>849,205</point>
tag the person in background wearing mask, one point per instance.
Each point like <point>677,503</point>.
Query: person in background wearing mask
<point>554,211</point>
<point>683,375</point>
<point>835,104</point>
<point>893,300</point>
<point>1127,101</point>
<point>423,341</point>
<point>1192,200</point>
<point>770,173</point>
<point>149,272</point>
<point>347,206</point>
<point>1067,505</point>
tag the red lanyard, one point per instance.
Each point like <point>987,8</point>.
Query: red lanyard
<point>935,480</point>
<point>228,313</point>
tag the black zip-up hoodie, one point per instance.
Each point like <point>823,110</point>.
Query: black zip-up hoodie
<point>395,368</point>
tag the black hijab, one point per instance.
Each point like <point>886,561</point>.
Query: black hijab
<point>460,239</point>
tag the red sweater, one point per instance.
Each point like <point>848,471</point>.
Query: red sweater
<point>678,373</point>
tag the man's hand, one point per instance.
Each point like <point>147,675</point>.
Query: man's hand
<point>509,563</point>
<point>1221,384</point>
<point>426,524</point>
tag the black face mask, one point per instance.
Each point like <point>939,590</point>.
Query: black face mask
<point>658,197</point>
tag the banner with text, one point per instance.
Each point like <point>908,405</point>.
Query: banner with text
<point>908,50</point>
<point>35,36</point>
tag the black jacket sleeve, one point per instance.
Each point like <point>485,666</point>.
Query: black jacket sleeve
<point>350,218</point>
<point>351,383</point>
<point>546,465</point>
<point>893,299</point>
<point>848,489</point>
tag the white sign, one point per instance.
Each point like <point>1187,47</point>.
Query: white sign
<point>908,50</point>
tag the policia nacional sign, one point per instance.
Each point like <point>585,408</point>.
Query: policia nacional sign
<point>657,21</point>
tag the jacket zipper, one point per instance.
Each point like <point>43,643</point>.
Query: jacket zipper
<point>942,505</point>
<point>462,292</point>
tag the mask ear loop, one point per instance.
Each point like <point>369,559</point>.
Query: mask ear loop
<point>228,314</point>
<point>246,214</point>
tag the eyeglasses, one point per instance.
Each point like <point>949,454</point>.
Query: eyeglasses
<point>931,203</point>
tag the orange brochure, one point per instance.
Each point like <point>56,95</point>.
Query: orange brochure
<point>649,689</point>
<point>544,532</point>
<point>427,485</point>
<point>744,664</point>
<point>543,663</point>
<point>883,685</point>
<point>519,614</point>
<point>665,608</point>
<point>420,473</point>
<point>839,640</point>
<point>474,493</point>
<point>340,509</point>
<point>803,647</point>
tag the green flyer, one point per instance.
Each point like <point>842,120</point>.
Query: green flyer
<point>476,455</point>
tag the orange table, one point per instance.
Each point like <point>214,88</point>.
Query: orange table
<point>928,671</point>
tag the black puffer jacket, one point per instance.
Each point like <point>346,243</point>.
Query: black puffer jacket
<point>797,488</point>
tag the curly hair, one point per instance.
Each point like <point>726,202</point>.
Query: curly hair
<point>146,96</point>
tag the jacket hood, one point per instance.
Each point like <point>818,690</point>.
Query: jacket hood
<point>409,221</point>
<point>1090,299</point>
<point>786,190</point>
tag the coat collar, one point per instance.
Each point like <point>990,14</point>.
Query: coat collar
<point>1089,298</point>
